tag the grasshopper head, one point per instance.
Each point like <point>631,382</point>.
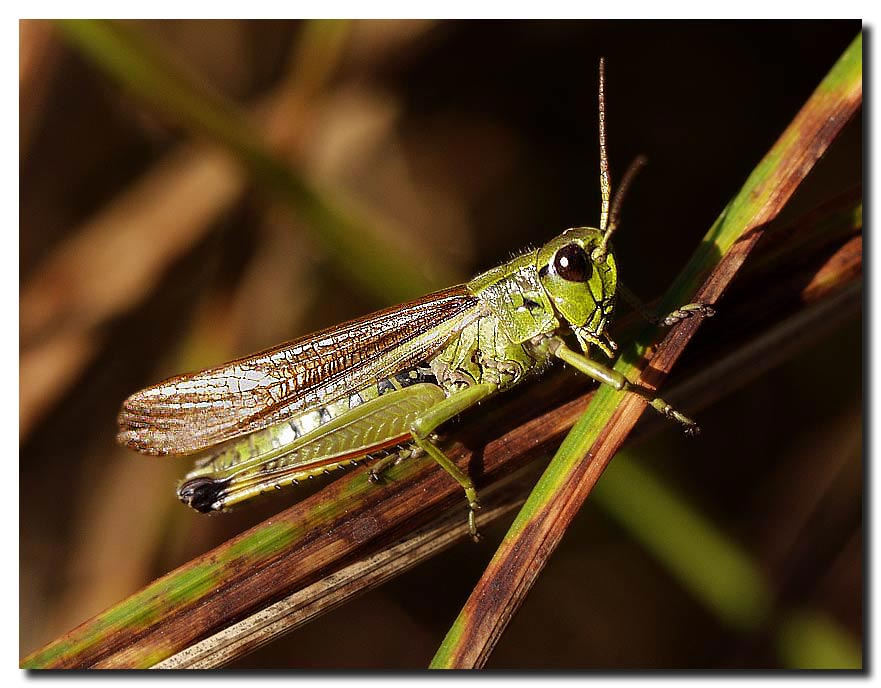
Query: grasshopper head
<point>577,271</point>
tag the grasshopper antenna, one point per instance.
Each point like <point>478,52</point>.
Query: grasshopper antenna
<point>605,177</point>
<point>609,215</point>
<point>635,167</point>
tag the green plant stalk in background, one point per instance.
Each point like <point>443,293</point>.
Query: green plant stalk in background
<point>809,640</point>
<point>714,569</point>
<point>702,558</point>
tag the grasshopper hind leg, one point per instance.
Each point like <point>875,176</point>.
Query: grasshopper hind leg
<point>403,421</point>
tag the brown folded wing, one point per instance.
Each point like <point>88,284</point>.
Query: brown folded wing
<point>188,413</point>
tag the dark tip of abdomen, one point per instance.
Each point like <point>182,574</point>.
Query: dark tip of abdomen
<point>201,493</point>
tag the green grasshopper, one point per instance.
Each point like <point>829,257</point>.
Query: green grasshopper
<point>378,387</point>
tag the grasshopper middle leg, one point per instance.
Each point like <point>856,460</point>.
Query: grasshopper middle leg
<point>422,428</point>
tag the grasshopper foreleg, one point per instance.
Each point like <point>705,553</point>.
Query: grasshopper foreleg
<point>447,409</point>
<point>613,378</point>
<point>671,318</point>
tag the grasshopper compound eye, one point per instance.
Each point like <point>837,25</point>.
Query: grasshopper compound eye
<point>572,263</point>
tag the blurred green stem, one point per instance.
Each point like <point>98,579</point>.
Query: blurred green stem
<point>714,568</point>
<point>361,252</point>
<point>810,640</point>
<point>702,558</point>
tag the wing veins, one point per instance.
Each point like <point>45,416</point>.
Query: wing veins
<point>188,413</point>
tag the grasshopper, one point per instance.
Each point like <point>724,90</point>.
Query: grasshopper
<point>378,387</point>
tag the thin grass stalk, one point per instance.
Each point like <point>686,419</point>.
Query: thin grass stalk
<point>332,591</point>
<point>596,437</point>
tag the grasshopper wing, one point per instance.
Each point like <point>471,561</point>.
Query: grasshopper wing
<point>189,413</point>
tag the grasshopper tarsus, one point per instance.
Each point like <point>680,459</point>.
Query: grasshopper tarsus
<point>473,506</point>
<point>688,310</point>
<point>383,464</point>
<point>667,320</point>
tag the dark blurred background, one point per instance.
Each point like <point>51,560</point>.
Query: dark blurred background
<point>145,252</point>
